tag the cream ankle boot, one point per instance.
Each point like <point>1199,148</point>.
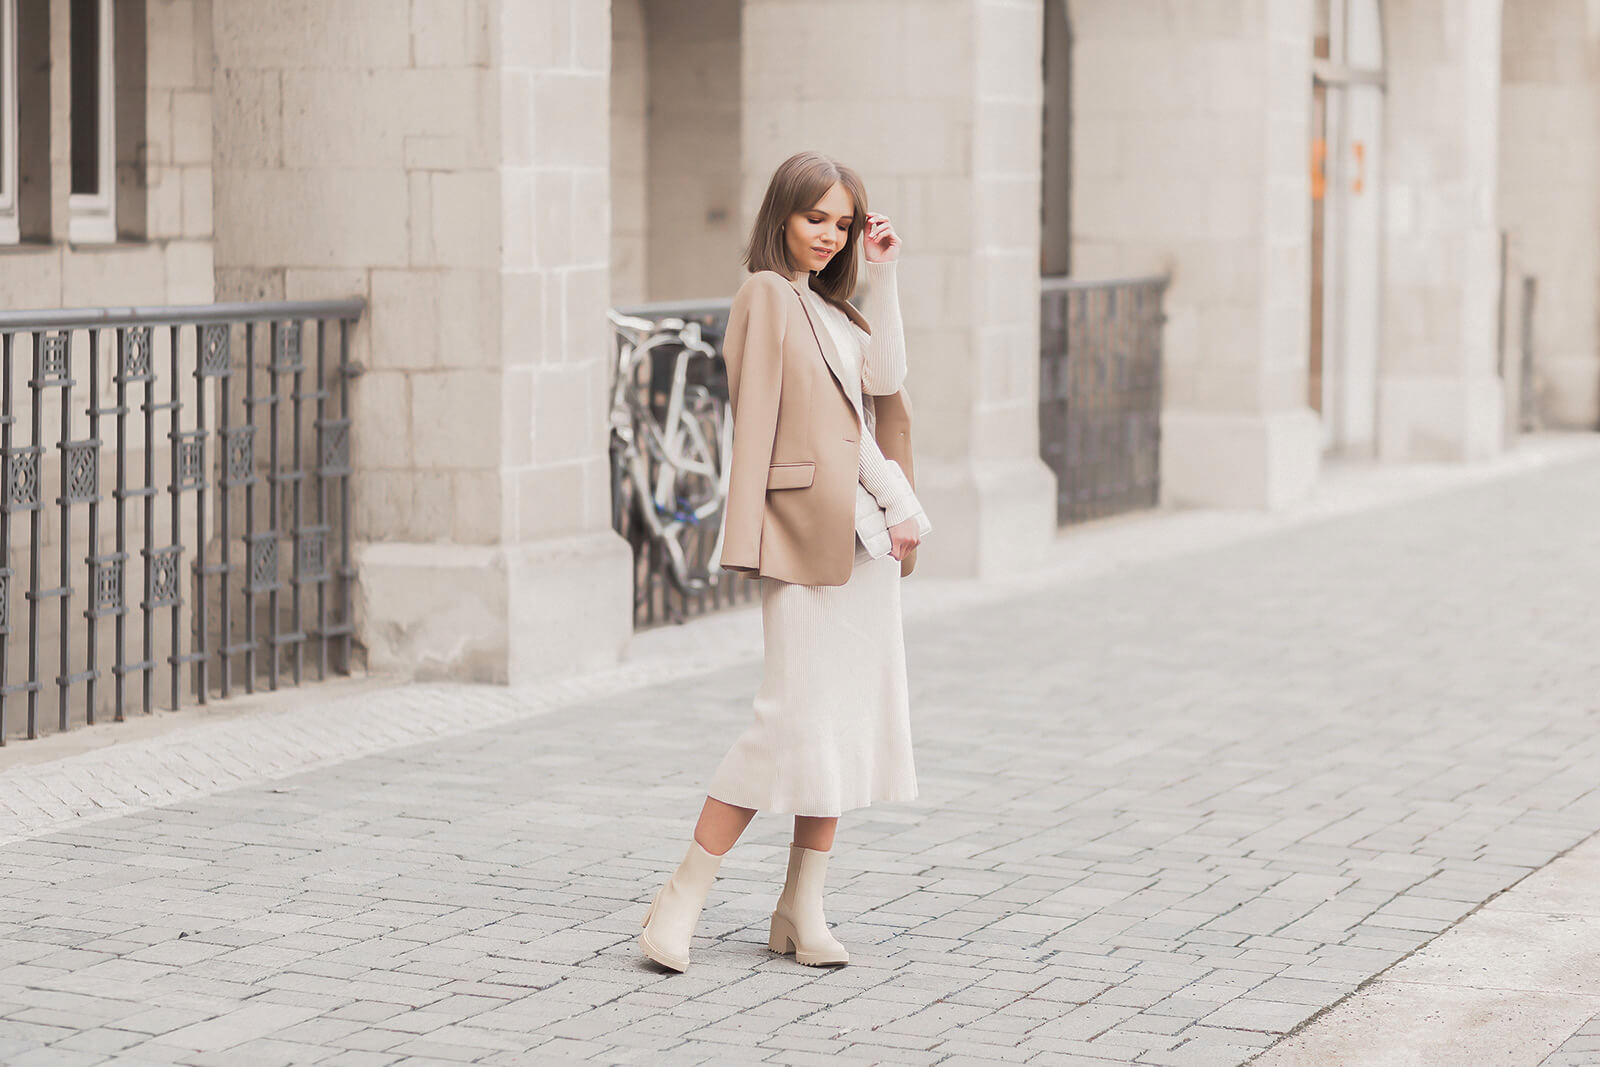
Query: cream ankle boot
<point>798,924</point>
<point>670,922</point>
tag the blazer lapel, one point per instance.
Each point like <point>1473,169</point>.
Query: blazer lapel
<point>830,354</point>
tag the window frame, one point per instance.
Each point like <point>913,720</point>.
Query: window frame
<point>10,225</point>
<point>92,217</point>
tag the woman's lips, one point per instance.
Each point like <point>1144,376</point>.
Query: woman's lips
<point>824,252</point>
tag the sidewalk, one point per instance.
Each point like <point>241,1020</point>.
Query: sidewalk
<point>1183,791</point>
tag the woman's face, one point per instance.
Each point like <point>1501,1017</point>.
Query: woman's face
<point>815,236</point>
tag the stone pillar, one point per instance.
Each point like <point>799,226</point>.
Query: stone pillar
<point>1439,392</point>
<point>435,159</point>
<point>569,588</point>
<point>937,105</point>
<point>1549,173</point>
<point>1189,151</point>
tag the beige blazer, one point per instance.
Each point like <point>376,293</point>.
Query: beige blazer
<point>792,481</point>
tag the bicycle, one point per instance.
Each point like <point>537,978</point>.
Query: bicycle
<point>670,436</point>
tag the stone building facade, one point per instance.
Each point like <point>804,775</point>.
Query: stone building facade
<point>1346,195</point>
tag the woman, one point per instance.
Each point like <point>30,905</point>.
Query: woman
<point>827,523</point>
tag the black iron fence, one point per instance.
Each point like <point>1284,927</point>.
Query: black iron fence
<point>670,431</point>
<point>1100,393</point>
<point>226,431</point>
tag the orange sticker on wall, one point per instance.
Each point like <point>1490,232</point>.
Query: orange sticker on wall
<point>1319,168</point>
<point>1360,151</point>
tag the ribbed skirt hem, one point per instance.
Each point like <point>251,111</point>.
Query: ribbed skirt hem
<point>780,807</point>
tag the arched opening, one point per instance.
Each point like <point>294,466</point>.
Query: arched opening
<point>629,144</point>
<point>1055,242</point>
<point>675,149</point>
<point>1346,221</point>
<point>1548,165</point>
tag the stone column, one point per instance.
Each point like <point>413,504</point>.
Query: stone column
<point>1439,392</point>
<point>1189,151</point>
<point>1549,173</point>
<point>569,589</point>
<point>436,159</point>
<point>937,105</point>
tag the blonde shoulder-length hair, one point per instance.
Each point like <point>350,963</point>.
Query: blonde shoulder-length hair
<point>798,183</point>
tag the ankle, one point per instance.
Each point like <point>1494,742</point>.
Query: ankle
<point>713,851</point>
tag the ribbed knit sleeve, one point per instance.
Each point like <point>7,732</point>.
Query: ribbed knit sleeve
<point>883,366</point>
<point>887,483</point>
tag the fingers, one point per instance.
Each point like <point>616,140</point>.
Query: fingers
<point>879,227</point>
<point>900,546</point>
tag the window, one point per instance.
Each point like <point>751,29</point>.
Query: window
<point>93,200</point>
<point>9,229</point>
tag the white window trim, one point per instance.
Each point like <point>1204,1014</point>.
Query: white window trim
<point>91,218</point>
<point>10,232</point>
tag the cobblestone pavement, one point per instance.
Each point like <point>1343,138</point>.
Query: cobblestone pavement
<point>1168,814</point>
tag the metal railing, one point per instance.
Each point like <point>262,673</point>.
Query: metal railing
<point>1100,393</point>
<point>670,432</point>
<point>154,380</point>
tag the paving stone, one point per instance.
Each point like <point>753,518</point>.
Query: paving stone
<point>1168,811</point>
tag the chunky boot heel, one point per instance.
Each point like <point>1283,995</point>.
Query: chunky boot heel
<point>780,935</point>
<point>798,923</point>
<point>670,921</point>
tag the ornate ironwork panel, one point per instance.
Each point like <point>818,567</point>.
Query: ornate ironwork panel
<point>83,471</point>
<point>191,460</point>
<point>5,600</point>
<point>287,357</point>
<point>263,577</point>
<point>214,356</point>
<point>53,349</point>
<point>164,592</point>
<point>136,341</point>
<point>336,447</point>
<point>239,458</point>
<point>22,479</point>
<point>311,556</point>
<point>108,586</point>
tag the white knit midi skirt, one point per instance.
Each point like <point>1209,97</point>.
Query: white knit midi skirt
<point>832,726</point>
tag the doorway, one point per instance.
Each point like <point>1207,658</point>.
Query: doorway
<point>1346,221</point>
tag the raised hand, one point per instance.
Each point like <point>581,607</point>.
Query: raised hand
<point>880,243</point>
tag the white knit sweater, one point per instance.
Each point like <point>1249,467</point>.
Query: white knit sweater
<point>877,361</point>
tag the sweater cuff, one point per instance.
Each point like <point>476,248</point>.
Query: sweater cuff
<point>924,527</point>
<point>879,271</point>
<point>902,509</point>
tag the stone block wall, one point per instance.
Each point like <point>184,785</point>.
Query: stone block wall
<point>356,155</point>
<point>553,72</point>
<point>1439,393</point>
<point>448,161</point>
<point>164,253</point>
<point>1549,164</point>
<point>695,238</point>
<point>1189,151</point>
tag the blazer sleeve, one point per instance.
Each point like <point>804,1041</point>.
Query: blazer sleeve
<point>883,363</point>
<point>753,350</point>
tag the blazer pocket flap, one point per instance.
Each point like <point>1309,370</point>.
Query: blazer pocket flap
<point>790,475</point>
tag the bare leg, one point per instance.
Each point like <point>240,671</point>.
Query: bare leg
<point>720,825</point>
<point>814,832</point>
